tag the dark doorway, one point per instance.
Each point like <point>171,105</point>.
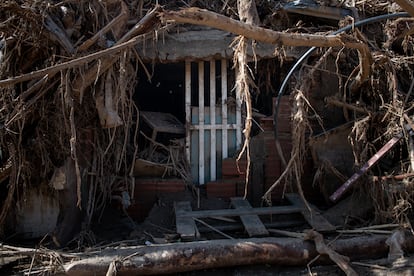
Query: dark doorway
<point>164,92</point>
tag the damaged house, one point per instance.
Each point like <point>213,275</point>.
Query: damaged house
<point>222,133</point>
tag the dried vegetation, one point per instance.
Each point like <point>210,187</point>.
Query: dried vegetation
<point>68,74</point>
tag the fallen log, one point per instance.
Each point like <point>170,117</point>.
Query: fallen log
<point>181,257</point>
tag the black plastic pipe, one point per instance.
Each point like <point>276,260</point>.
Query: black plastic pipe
<point>308,52</point>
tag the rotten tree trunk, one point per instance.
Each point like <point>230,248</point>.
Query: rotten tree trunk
<point>173,258</point>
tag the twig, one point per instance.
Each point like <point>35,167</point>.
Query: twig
<point>371,265</point>
<point>160,227</point>
<point>381,226</point>
<point>58,35</point>
<point>394,177</point>
<point>69,64</point>
<point>287,233</point>
<point>361,231</point>
<point>122,16</point>
<point>333,101</point>
<point>72,63</point>
<point>213,228</point>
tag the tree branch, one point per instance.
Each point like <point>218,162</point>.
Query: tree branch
<point>207,18</point>
<point>407,5</point>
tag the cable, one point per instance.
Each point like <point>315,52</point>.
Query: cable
<point>308,52</point>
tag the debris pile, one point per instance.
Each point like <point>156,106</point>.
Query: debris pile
<point>69,122</point>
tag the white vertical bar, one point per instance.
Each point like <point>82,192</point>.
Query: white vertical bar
<point>224,106</point>
<point>188,108</point>
<point>201,122</point>
<point>213,119</point>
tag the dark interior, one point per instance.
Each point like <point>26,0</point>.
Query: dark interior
<point>164,91</point>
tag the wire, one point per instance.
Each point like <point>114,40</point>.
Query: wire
<point>308,52</point>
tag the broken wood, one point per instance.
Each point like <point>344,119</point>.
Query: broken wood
<point>252,223</point>
<point>162,259</point>
<point>333,101</point>
<point>186,226</point>
<point>249,216</point>
<point>214,228</point>
<point>51,70</point>
<point>58,35</point>
<point>312,215</point>
<point>322,248</point>
<point>83,60</point>
<point>6,170</point>
<point>235,212</point>
<point>107,110</point>
<point>371,162</point>
<point>146,24</point>
<point>123,16</point>
<point>393,177</point>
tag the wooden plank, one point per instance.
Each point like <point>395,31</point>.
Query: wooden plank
<point>257,156</point>
<point>185,225</point>
<point>224,107</point>
<point>314,218</point>
<point>277,210</point>
<point>252,223</point>
<point>201,178</point>
<point>163,122</point>
<point>215,127</point>
<point>213,120</point>
<point>371,162</point>
<point>188,107</point>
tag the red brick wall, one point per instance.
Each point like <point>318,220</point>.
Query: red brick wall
<point>148,190</point>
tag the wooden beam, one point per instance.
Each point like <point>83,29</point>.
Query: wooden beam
<point>252,223</point>
<point>314,217</point>
<point>201,161</point>
<point>278,210</point>
<point>213,144</point>
<point>188,109</point>
<point>186,226</point>
<point>224,107</point>
<point>371,162</point>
